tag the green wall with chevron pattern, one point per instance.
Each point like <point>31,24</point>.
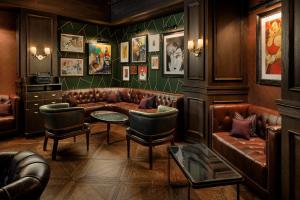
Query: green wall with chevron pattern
<point>115,35</point>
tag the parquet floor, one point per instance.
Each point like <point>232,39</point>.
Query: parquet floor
<point>104,173</point>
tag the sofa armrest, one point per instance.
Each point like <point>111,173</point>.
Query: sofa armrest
<point>273,156</point>
<point>15,102</point>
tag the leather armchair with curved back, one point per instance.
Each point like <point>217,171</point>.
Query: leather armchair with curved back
<point>152,129</point>
<point>23,175</point>
<point>62,121</point>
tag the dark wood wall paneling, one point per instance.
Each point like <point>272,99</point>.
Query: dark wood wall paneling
<point>289,105</point>
<point>130,11</point>
<point>97,11</point>
<point>39,30</point>
<point>217,75</point>
<point>262,95</point>
<point>8,52</point>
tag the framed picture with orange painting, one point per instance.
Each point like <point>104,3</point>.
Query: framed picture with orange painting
<point>142,72</point>
<point>269,60</point>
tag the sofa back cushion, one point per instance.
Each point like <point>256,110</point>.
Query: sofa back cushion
<point>80,96</point>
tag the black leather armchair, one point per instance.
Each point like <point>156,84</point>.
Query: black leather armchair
<point>23,175</point>
<point>62,121</point>
<point>152,129</point>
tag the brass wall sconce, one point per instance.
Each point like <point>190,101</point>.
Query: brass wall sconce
<point>33,51</point>
<point>195,49</point>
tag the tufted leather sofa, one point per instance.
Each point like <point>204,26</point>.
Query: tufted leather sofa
<point>258,159</point>
<point>96,99</point>
<point>10,123</point>
<point>23,175</point>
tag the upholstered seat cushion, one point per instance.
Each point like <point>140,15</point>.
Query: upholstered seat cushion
<point>90,107</point>
<point>125,107</point>
<point>247,155</point>
<point>7,122</point>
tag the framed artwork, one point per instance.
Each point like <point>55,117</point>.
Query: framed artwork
<point>71,43</point>
<point>269,34</point>
<point>125,73</point>
<point>139,49</point>
<point>124,54</point>
<point>133,69</point>
<point>71,67</point>
<point>155,62</point>
<point>173,54</point>
<point>153,43</point>
<point>99,58</point>
<point>142,72</point>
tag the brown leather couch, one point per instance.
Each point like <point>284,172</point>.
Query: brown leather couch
<point>258,159</point>
<point>10,123</point>
<point>96,99</point>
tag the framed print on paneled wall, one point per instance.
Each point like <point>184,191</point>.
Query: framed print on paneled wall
<point>133,70</point>
<point>142,73</point>
<point>125,73</point>
<point>139,49</point>
<point>71,67</point>
<point>71,43</point>
<point>99,58</point>
<point>154,62</point>
<point>269,34</point>
<point>173,54</point>
<point>153,43</point>
<point>124,52</point>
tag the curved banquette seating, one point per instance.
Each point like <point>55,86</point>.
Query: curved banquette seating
<point>127,99</point>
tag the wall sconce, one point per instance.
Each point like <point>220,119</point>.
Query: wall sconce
<point>33,51</point>
<point>195,49</point>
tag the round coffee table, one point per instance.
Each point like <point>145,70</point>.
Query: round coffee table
<point>109,117</point>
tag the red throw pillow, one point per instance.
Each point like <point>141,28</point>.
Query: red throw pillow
<point>147,102</point>
<point>5,109</point>
<point>113,97</point>
<point>241,128</point>
<point>251,118</point>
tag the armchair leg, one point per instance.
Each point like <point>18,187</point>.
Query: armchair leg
<point>45,142</point>
<point>54,149</point>
<point>87,141</point>
<point>150,156</point>
<point>128,147</point>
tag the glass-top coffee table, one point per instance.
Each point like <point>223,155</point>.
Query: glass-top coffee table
<point>202,167</point>
<point>109,117</point>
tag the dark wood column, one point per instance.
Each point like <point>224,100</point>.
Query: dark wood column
<point>289,105</point>
<point>218,74</point>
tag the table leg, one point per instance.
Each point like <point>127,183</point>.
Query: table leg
<point>189,191</point>
<point>169,169</point>
<point>238,191</point>
<point>108,129</point>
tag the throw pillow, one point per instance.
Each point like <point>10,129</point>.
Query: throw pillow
<point>124,95</point>
<point>5,109</point>
<point>251,118</point>
<point>113,97</point>
<point>72,101</point>
<point>241,128</point>
<point>147,102</point>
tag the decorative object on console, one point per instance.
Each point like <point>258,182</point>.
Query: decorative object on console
<point>142,72</point>
<point>71,43</point>
<point>124,52</point>
<point>138,49</point>
<point>133,69</point>
<point>125,73</point>
<point>153,43</point>
<point>33,51</point>
<point>269,34</point>
<point>155,62</point>
<point>99,58</point>
<point>42,77</point>
<point>173,54</point>
<point>71,67</point>
<point>195,49</point>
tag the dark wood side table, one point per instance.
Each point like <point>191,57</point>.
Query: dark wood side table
<point>109,117</point>
<point>202,167</point>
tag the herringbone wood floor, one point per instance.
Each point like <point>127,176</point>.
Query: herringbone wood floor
<point>104,173</point>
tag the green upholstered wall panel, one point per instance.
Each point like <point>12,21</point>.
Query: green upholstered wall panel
<point>155,79</point>
<point>91,32</point>
<point>115,35</point>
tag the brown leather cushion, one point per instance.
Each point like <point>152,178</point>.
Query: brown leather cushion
<point>113,97</point>
<point>5,109</point>
<point>7,122</point>
<point>90,107</point>
<point>125,107</point>
<point>246,155</point>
